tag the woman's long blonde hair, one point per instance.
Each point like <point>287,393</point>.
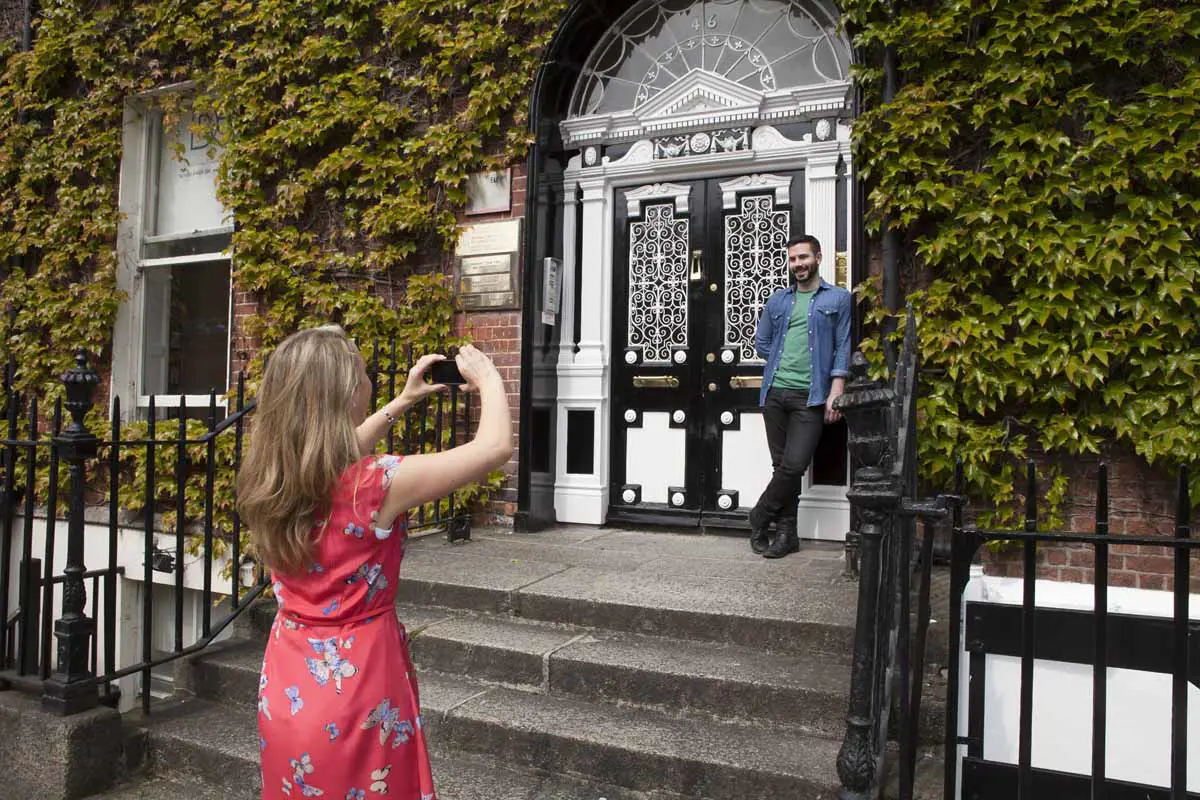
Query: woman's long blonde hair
<point>303,439</point>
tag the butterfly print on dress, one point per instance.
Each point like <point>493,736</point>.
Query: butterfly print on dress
<point>331,665</point>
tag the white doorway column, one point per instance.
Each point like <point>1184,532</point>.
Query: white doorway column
<point>820,203</point>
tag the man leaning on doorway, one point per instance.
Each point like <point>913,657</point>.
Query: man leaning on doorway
<point>804,335</point>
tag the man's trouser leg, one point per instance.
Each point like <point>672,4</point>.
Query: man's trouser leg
<point>793,431</point>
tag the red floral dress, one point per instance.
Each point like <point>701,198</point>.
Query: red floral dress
<point>338,715</point>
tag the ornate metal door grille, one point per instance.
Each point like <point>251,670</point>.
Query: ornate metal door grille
<point>658,284</point>
<point>695,263</point>
<point>755,267</point>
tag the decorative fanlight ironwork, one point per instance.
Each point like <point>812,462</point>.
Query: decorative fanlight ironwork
<point>762,45</point>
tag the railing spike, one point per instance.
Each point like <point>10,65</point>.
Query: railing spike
<point>1102,500</point>
<point>1183,506</point>
<point>1031,504</point>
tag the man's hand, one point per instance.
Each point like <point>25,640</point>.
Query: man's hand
<point>835,391</point>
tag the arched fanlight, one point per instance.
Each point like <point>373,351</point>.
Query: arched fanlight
<point>761,45</point>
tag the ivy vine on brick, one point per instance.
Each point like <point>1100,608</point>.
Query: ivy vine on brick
<point>1040,159</point>
<point>348,131</point>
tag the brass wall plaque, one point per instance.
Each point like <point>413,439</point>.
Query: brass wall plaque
<point>487,281</point>
<point>841,269</point>
<point>483,284</point>
<point>474,302</point>
<point>485,265</point>
<point>489,237</point>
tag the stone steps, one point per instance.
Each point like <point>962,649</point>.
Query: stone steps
<point>575,665</point>
<point>720,681</point>
<point>459,776</point>
<point>802,607</point>
<point>214,744</point>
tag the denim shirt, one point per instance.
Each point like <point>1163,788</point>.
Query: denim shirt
<point>828,337</point>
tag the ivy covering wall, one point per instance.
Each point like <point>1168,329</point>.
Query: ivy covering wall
<point>1040,159</point>
<point>348,129</point>
<point>348,132</point>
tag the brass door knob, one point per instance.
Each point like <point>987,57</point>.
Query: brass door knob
<point>712,387</point>
<point>711,357</point>
<point>712,287</point>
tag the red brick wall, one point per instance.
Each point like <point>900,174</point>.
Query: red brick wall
<point>1141,503</point>
<point>498,333</point>
<point>243,346</point>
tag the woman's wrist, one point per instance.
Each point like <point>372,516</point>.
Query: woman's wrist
<point>393,410</point>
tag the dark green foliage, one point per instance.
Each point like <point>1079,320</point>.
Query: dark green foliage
<point>1041,159</point>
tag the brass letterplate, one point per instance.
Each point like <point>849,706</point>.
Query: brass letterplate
<point>745,382</point>
<point>656,381</point>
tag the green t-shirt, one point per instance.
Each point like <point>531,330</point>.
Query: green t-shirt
<point>795,367</point>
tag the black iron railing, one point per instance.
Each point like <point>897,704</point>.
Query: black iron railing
<point>82,668</point>
<point>889,653</point>
<point>1097,638</point>
<point>887,549</point>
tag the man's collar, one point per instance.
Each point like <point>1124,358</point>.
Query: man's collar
<point>824,284</point>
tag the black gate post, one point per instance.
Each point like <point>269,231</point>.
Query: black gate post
<point>875,494</point>
<point>70,689</point>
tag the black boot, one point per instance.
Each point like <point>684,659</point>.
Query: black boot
<point>786,539</point>
<point>760,539</point>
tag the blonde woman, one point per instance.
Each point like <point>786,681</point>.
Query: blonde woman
<point>338,708</point>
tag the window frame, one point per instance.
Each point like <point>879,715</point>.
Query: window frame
<point>139,178</point>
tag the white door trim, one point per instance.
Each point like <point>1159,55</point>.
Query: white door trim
<point>584,375</point>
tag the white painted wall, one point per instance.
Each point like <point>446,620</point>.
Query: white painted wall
<point>130,547</point>
<point>1139,703</point>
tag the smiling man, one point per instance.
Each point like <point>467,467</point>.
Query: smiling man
<point>804,335</point>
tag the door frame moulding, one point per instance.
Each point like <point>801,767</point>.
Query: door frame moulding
<point>583,371</point>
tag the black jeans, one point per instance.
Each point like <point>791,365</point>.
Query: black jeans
<point>793,431</point>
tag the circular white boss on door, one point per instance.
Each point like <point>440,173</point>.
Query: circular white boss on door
<point>677,499</point>
<point>630,416</point>
<point>725,502</point>
<point>679,417</point>
<point>680,356</point>
<point>629,495</point>
<point>630,357</point>
<point>726,418</point>
<point>726,356</point>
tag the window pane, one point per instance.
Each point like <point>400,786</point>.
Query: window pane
<point>186,329</point>
<point>213,243</point>
<point>187,182</point>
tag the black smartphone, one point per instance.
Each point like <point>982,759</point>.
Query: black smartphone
<point>446,372</point>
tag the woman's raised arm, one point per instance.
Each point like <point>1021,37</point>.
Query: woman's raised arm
<point>423,478</point>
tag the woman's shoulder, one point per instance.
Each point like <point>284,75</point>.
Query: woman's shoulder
<point>373,470</point>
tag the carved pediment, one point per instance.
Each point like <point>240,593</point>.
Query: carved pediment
<point>677,192</point>
<point>698,92</point>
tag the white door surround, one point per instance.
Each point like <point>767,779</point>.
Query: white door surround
<point>583,374</point>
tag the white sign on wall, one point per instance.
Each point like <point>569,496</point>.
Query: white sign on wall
<point>489,192</point>
<point>551,289</point>
<point>187,181</point>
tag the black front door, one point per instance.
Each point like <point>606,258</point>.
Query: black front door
<point>693,264</point>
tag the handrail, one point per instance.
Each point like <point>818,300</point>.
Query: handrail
<point>25,641</point>
<point>888,662</point>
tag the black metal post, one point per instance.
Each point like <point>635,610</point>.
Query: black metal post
<point>70,688</point>
<point>1100,657</point>
<point>1180,633</point>
<point>1028,639</point>
<point>891,238</point>
<point>875,493</point>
